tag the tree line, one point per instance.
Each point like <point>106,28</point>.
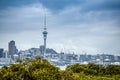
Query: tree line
<point>41,69</point>
<point>94,69</point>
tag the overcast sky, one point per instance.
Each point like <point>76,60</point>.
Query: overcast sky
<point>91,26</point>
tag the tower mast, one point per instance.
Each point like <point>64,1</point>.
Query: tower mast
<point>44,35</point>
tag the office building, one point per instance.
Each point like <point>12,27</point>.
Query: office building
<point>12,48</point>
<point>1,53</point>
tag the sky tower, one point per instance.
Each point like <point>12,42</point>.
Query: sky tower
<point>44,36</point>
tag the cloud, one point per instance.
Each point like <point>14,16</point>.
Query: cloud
<point>72,28</point>
<point>21,18</point>
<point>101,5</point>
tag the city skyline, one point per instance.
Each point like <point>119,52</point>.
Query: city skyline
<point>79,25</point>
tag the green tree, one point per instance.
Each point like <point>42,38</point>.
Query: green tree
<point>31,69</point>
<point>112,70</point>
<point>67,75</point>
<point>76,68</point>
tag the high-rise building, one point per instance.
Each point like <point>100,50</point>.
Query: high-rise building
<point>45,36</point>
<point>1,52</point>
<point>12,48</point>
<point>42,50</point>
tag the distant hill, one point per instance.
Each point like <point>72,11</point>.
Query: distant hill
<point>48,50</point>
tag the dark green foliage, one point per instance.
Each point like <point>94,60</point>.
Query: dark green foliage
<point>30,69</point>
<point>67,75</point>
<point>41,69</point>
<point>94,69</point>
<point>77,68</point>
<point>112,69</point>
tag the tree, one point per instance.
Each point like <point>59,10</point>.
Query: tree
<point>67,75</point>
<point>112,70</point>
<point>31,69</point>
<point>76,68</point>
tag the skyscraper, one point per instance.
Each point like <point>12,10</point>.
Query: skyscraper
<point>44,36</point>
<point>1,52</point>
<point>12,48</point>
<point>42,50</point>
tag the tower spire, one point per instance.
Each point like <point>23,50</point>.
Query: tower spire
<point>45,23</point>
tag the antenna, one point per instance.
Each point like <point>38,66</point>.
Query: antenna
<point>45,22</point>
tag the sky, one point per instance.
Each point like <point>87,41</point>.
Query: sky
<point>79,26</point>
